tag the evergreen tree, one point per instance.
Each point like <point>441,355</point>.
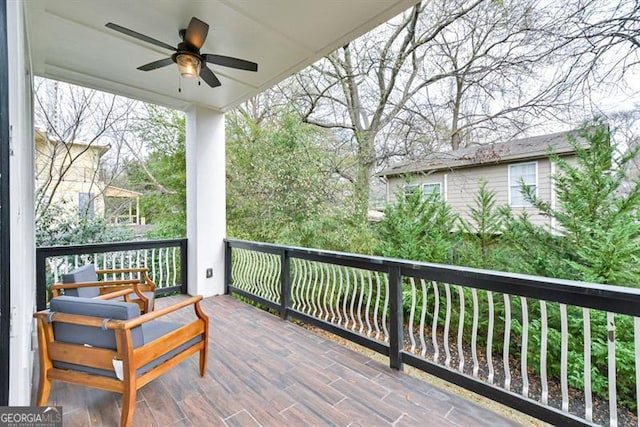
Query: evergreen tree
<point>419,228</point>
<point>598,228</point>
<point>481,231</point>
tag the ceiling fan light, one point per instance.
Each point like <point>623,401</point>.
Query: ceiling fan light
<point>188,65</point>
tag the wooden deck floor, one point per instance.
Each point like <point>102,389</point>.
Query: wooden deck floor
<point>265,371</point>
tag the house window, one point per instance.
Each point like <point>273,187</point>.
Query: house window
<point>86,204</point>
<point>409,189</point>
<point>520,173</point>
<point>429,189</point>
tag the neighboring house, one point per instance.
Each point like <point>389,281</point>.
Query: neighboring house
<point>70,174</point>
<point>457,175</point>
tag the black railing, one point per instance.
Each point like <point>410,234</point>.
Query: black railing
<point>167,268</point>
<point>360,298</point>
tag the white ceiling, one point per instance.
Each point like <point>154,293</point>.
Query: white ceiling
<point>69,42</point>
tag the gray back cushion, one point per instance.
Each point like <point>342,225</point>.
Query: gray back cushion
<point>94,336</point>
<point>86,273</point>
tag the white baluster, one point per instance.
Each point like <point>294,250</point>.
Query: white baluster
<point>434,325</point>
<point>367,309</point>
<point>460,330</point>
<point>376,306</point>
<point>524,352</point>
<point>385,307</point>
<point>588,400</point>
<point>412,282</point>
<point>361,282</point>
<point>507,339</point>
<point>353,299</point>
<point>490,338</point>
<point>611,356</point>
<point>543,353</point>
<point>423,315</point>
<point>564,345</point>
<point>447,319</point>
<point>474,332</point>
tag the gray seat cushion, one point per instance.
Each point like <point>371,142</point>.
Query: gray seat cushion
<point>86,273</point>
<point>96,337</point>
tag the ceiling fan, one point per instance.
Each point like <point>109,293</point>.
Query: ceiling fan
<point>191,63</point>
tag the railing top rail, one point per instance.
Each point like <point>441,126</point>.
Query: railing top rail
<point>619,299</point>
<point>49,251</point>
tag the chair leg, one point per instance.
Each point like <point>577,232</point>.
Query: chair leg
<point>44,388</point>
<point>45,335</point>
<point>203,361</point>
<point>128,406</point>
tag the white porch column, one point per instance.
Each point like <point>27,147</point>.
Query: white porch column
<point>206,209</point>
<point>21,178</point>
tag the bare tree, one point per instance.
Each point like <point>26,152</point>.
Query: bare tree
<point>602,39</point>
<point>441,76</point>
<point>362,87</point>
<point>75,123</point>
<point>500,52</point>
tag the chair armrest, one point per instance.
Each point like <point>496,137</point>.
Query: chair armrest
<point>111,295</point>
<point>55,289</point>
<point>143,278</point>
<point>134,283</point>
<point>162,312</point>
<point>92,284</point>
<point>123,270</point>
<point>77,319</point>
<point>120,324</point>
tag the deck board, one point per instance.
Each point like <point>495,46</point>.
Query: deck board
<point>268,372</point>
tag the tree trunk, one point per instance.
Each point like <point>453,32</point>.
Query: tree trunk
<point>366,163</point>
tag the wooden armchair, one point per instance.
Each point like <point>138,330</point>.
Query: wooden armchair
<point>83,340</point>
<point>83,282</point>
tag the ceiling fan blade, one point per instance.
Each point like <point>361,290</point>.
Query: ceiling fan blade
<point>207,75</point>
<point>228,61</point>
<point>196,33</point>
<point>156,64</point>
<point>139,36</point>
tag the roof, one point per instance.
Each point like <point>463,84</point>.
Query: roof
<point>112,191</point>
<point>505,152</point>
<point>41,136</point>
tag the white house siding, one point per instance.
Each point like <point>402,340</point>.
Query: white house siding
<point>81,174</point>
<point>462,186</point>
